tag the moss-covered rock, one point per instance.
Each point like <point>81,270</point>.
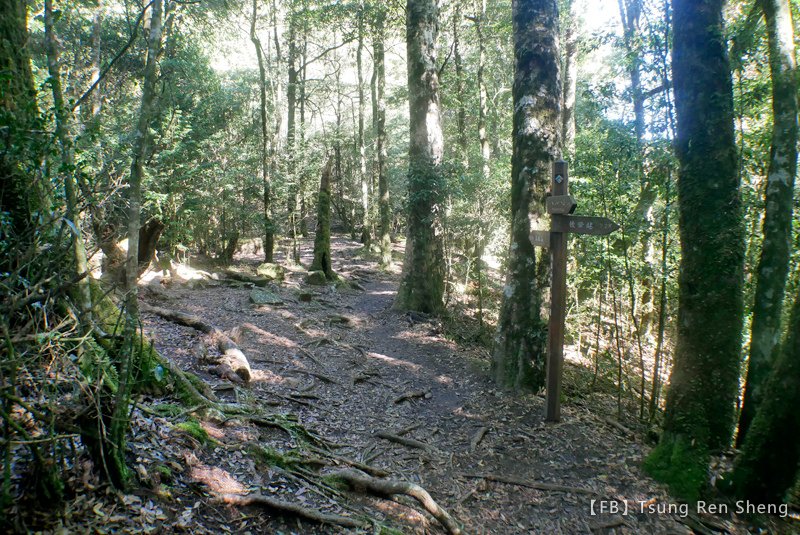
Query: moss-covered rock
<point>271,271</point>
<point>194,429</point>
<point>316,278</point>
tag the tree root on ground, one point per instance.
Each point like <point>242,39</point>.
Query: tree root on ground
<point>410,442</point>
<point>477,438</point>
<point>299,510</point>
<point>387,487</point>
<point>232,355</point>
<point>320,376</point>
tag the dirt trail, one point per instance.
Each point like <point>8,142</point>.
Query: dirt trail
<point>342,361</point>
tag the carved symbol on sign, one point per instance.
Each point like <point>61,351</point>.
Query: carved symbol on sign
<point>581,224</point>
<point>561,204</point>
<point>540,238</point>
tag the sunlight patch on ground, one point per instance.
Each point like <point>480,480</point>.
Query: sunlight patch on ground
<point>212,430</point>
<point>266,337</point>
<point>466,414</point>
<point>403,512</point>
<point>393,361</point>
<point>387,292</point>
<point>266,376</point>
<point>216,479</point>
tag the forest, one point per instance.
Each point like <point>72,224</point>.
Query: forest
<point>421,266</point>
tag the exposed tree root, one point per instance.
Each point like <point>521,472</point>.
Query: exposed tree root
<point>410,442</point>
<point>477,438</point>
<point>538,485</point>
<point>299,510</point>
<point>232,355</point>
<point>378,472</point>
<point>319,376</point>
<point>387,487</point>
<point>408,396</point>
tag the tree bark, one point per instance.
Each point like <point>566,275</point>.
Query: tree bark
<point>705,375</point>
<point>768,464</point>
<point>64,137</point>
<point>322,239</point>
<point>141,141</point>
<point>266,179</point>
<point>291,127</point>
<point>519,353</point>
<point>773,265</point>
<point>570,79</point>
<point>483,97</point>
<point>19,196</point>
<point>461,115</point>
<point>422,286</point>
<point>366,231</point>
<point>381,154</point>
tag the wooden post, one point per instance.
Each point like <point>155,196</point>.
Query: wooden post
<point>558,303</point>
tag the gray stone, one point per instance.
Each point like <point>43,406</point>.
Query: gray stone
<point>264,297</point>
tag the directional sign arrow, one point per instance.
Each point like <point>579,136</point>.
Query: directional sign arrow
<point>580,224</point>
<point>540,238</point>
<point>561,204</point>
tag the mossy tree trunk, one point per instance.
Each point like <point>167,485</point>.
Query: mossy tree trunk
<point>768,464</point>
<point>381,153</point>
<point>67,168</point>
<point>519,354</point>
<point>705,375</point>
<point>777,231</point>
<point>422,286</point>
<point>19,116</point>
<point>322,239</point>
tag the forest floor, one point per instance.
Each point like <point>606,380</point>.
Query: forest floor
<point>349,367</point>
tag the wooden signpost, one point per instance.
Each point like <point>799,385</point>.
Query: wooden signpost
<point>559,205</point>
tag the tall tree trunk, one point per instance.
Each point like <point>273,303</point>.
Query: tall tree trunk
<point>129,357</point>
<point>705,375</point>
<point>639,220</point>
<point>366,232</point>
<point>520,343</point>
<point>266,179</point>
<point>768,464</point>
<point>422,286</point>
<point>301,149</point>
<point>483,95</point>
<point>291,128</point>
<point>67,168</point>
<point>570,79</point>
<point>19,196</point>
<point>777,231</point>
<point>97,38</point>
<point>322,238</point>
<point>630,11</point>
<point>461,115</point>
<point>381,154</point>
<point>486,150</point>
